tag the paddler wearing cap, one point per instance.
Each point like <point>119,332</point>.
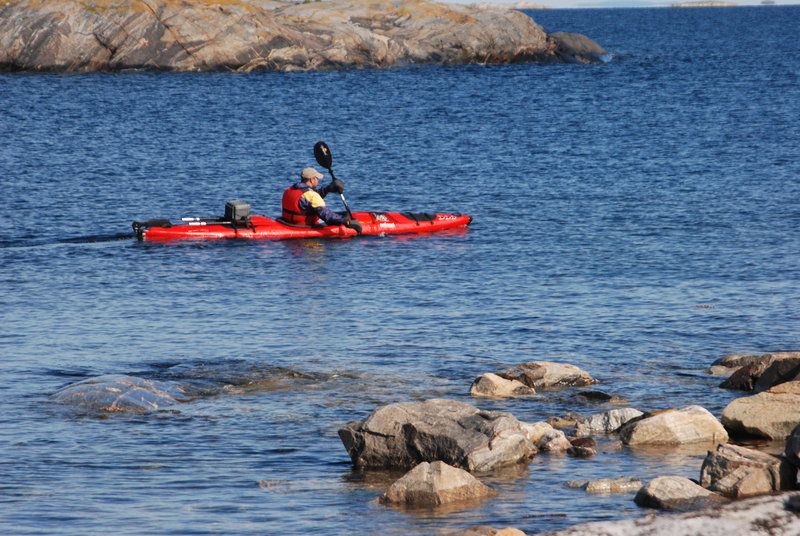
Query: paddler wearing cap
<point>303,203</point>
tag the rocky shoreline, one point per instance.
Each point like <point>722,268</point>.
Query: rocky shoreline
<point>471,441</point>
<point>265,35</point>
<point>447,445</point>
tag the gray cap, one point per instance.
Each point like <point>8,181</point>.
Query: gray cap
<point>310,173</point>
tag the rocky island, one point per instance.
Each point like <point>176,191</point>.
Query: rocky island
<point>266,35</point>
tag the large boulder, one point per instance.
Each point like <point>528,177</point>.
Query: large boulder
<point>770,515</point>
<point>434,484</point>
<point>548,375</point>
<point>691,424</point>
<point>675,493</point>
<point>120,393</point>
<point>772,414</point>
<point>404,434</point>
<point>224,35</point>
<point>606,423</point>
<point>737,472</point>
<point>490,385</point>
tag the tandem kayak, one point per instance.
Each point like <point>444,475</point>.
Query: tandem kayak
<point>264,228</point>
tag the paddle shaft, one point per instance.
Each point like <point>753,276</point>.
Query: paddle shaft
<point>325,159</point>
<point>341,194</point>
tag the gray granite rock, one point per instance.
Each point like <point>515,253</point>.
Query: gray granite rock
<point>404,434</point>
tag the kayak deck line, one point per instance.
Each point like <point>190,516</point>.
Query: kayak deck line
<point>264,228</point>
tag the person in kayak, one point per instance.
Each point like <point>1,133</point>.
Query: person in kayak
<point>303,202</point>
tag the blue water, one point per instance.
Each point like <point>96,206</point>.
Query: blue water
<point>637,218</point>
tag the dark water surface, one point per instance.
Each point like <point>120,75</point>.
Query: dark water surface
<point>637,218</point>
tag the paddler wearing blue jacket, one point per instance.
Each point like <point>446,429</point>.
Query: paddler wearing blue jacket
<point>303,203</point>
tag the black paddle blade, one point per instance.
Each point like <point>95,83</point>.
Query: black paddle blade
<point>323,154</point>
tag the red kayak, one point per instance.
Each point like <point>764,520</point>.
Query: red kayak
<point>263,228</point>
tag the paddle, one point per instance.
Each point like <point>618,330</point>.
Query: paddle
<point>323,155</point>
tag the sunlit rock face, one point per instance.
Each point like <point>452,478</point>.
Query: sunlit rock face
<point>249,35</point>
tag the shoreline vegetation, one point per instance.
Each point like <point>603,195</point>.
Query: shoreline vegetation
<point>264,35</point>
<point>447,445</point>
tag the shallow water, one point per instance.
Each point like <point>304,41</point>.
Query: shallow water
<point>636,218</point>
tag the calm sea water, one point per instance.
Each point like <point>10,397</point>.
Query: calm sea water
<point>637,218</point>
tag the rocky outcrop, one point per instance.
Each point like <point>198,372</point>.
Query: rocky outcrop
<point>490,385</point>
<point>691,424</point>
<point>769,515</point>
<point>434,484</point>
<point>675,493</point>
<point>404,434</point>
<point>120,393</point>
<point>548,375</point>
<point>737,472</point>
<point>772,414</point>
<point>222,35</point>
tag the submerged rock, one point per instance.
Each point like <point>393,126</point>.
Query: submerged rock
<point>221,35</point>
<point>579,451</point>
<point>434,484</point>
<point>404,434</point>
<point>120,393</point>
<point>607,485</point>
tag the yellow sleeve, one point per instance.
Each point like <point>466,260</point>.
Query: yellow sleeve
<point>314,199</point>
